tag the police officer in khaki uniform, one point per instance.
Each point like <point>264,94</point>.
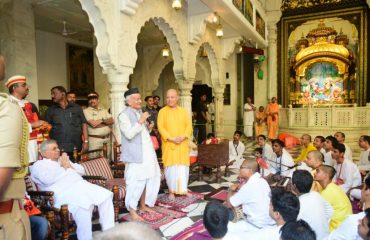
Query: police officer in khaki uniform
<point>14,132</point>
<point>99,122</point>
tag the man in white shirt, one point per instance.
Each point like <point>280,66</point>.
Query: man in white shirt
<point>253,194</point>
<point>341,138</point>
<point>318,143</point>
<point>364,143</point>
<point>314,209</point>
<point>348,175</point>
<point>267,152</point>
<point>328,146</point>
<point>348,229</point>
<point>236,150</point>
<point>297,231</point>
<point>284,207</point>
<point>142,172</point>
<point>58,174</point>
<point>282,163</point>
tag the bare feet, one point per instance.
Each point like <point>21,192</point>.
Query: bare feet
<point>188,194</point>
<point>146,209</point>
<point>135,217</point>
<point>172,197</point>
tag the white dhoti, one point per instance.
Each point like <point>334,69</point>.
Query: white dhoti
<point>82,217</point>
<point>241,227</point>
<point>177,178</point>
<point>33,151</point>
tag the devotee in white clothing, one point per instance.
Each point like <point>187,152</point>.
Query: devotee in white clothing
<point>282,163</point>
<point>341,138</point>
<point>313,208</point>
<point>364,163</point>
<point>253,194</point>
<point>267,152</point>
<point>142,173</point>
<point>215,219</point>
<point>248,120</point>
<point>348,230</point>
<point>129,230</point>
<point>236,150</point>
<point>318,143</point>
<point>58,174</point>
<point>348,175</point>
<point>328,146</point>
<point>284,207</point>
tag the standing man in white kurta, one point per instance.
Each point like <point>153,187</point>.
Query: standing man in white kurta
<point>248,118</point>
<point>142,173</point>
<point>58,174</point>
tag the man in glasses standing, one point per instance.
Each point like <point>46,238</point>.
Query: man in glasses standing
<point>253,194</point>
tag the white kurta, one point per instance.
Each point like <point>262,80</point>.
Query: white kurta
<point>364,163</point>
<point>254,196</point>
<point>348,229</point>
<point>281,164</point>
<point>139,176</point>
<point>317,212</point>
<point>81,196</point>
<point>348,152</point>
<point>350,174</point>
<point>268,233</point>
<point>328,160</point>
<point>236,153</point>
<point>248,120</point>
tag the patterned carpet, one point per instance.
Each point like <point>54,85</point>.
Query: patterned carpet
<point>194,211</point>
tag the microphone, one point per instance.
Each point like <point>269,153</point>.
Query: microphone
<point>295,165</point>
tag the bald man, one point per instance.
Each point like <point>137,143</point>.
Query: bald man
<point>314,160</point>
<point>307,146</point>
<point>174,125</point>
<point>253,194</point>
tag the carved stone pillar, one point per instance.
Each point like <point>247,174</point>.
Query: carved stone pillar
<point>185,95</point>
<point>272,60</point>
<point>119,81</point>
<point>219,114</point>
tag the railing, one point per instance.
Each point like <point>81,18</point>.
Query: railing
<point>334,116</point>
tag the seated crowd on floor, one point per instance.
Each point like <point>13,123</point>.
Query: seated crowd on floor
<point>324,187</point>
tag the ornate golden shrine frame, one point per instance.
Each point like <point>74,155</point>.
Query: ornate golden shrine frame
<point>355,15</point>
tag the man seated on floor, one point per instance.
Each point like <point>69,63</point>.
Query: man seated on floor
<point>58,174</point>
<point>364,163</point>
<point>236,150</point>
<point>341,138</point>
<point>348,229</point>
<point>314,160</point>
<point>215,220</point>
<point>299,230</point>
<point>284,207</point>
<point>328,146</point>
<point>333,195</point>
<point>253,194</point>
<point>318,143</point>
<point>282,163</point>
<point>307,146</point>
<point>314,209</point>
<point>267,152</point>
<point>348,176</point>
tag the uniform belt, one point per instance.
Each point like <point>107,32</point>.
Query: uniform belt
<point>99,136</point>
<point>7,206</point>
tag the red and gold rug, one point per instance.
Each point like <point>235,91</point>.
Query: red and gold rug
<point>180,201</point>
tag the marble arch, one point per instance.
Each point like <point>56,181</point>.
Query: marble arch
<point>213,62</point>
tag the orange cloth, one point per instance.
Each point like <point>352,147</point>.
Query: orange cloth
<point>272,112</point>
<point>260,122</point>
<point>288,140</point>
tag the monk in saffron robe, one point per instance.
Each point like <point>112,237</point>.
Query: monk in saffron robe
<point>174,125</point>
<point>272,112</point>
<point>260,120</point>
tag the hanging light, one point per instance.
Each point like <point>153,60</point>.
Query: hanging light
<point>214,18</point>
<point>219,29</point>
<point>176,4</point>
<point>165,49</point>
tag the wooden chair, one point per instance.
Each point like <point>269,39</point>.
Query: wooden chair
<point>58,218</point>
<point>213,156</point>
<point>99,166</point>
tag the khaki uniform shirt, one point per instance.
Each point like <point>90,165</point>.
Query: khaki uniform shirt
<point>97,114</point>
<point>14,134</point>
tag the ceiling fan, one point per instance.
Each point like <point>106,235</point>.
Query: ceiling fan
<point>64,31</point>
